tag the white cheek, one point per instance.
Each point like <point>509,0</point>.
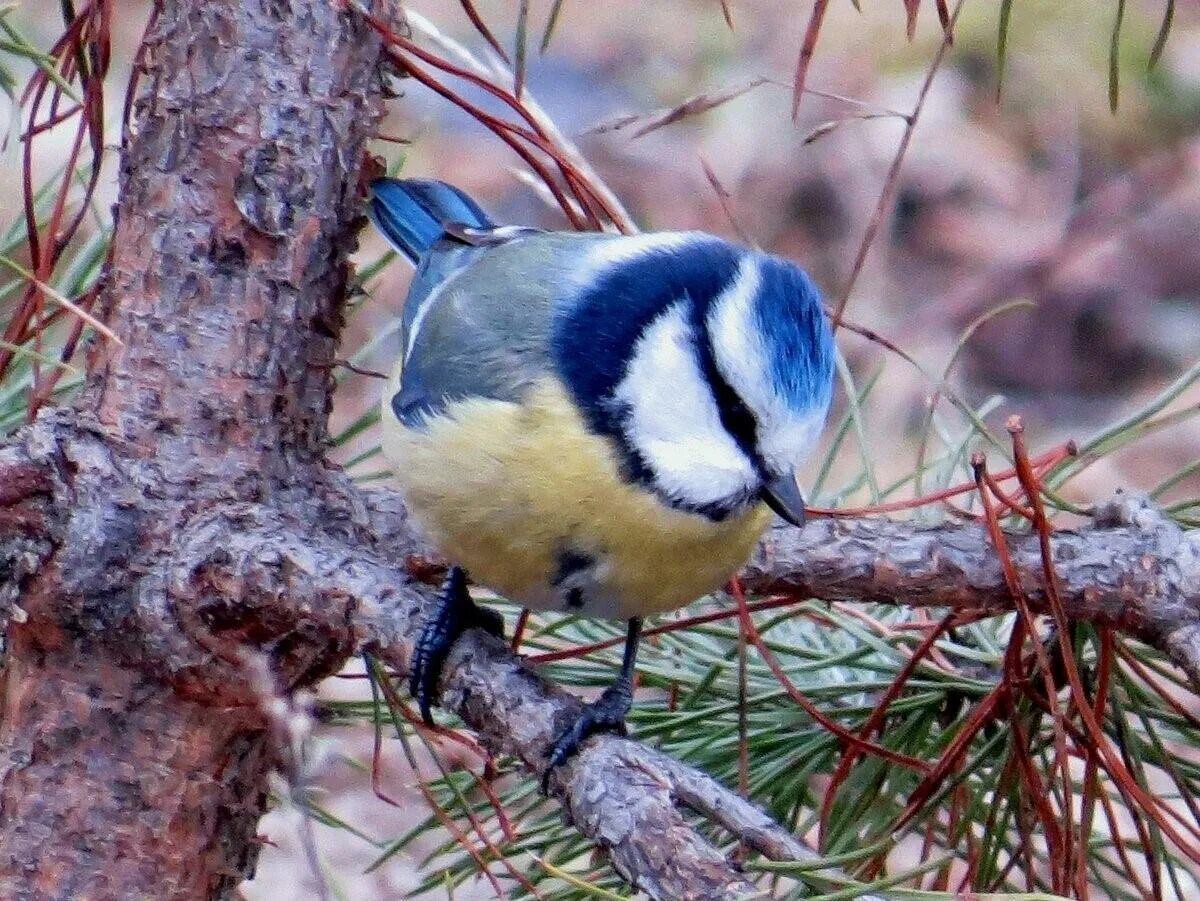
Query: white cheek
<point>673,420</point>
<point>785,443</point>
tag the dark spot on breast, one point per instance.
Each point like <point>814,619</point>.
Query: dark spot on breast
<point>571,562</point>
<point>570,575</point>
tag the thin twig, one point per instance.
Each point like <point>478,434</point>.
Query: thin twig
<point>807,48</point>
<point>893,175</point>
<point>726,201</point>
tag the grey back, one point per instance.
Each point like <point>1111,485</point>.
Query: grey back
<point>478,320</point>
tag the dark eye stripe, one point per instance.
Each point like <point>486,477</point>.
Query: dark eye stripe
<point>736,417</point>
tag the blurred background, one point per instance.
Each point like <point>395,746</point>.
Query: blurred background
<point>1070,231</point>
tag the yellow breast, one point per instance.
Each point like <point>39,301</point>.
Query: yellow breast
<point>504,489</point>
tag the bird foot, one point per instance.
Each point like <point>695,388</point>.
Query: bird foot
<point>454,614</point>
<point>605,714</point>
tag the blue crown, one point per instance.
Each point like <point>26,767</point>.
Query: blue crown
<point>796,336</point>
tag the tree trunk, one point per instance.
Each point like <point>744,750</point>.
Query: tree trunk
<point>116,786</point>
<point>133,742</point>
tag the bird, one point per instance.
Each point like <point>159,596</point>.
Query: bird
<point>591,423</point>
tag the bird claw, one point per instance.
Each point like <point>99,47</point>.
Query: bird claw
<point>606,714</point>
<point>454,614</point>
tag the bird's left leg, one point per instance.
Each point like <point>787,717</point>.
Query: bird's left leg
<point>454,614</point>
<point>606,713</point>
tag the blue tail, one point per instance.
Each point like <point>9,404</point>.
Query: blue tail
<point>412,213</point>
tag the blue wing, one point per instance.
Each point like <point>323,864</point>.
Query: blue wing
<point>483,329</point>
<point>413,213</point>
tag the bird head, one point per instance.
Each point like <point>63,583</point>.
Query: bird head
<point>710,365</point>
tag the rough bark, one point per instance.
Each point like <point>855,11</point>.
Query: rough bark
<point>117,788</point>
<point>1133,570</point>
<point>181,517</point>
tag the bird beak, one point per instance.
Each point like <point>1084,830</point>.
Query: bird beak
<point>784,497</point>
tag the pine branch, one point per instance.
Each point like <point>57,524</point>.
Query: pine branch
<point>1135,570</point>
<point>619,793</point>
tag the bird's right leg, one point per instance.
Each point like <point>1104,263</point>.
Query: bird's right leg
<point>453,615</point>
<point>605,714</point>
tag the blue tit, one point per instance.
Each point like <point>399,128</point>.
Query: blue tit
<point>592,423</point>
